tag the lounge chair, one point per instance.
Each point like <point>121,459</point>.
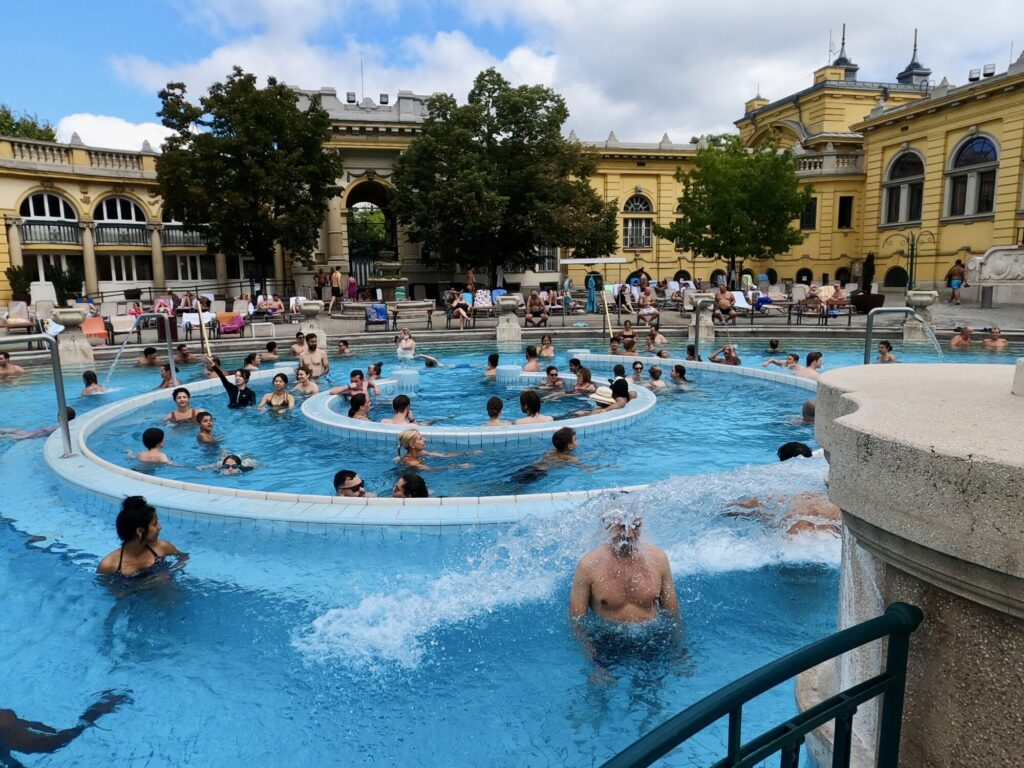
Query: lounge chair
<point>125,324</point>
<point>95,330</point>
<point>18,318</point>
<point>230,322</point>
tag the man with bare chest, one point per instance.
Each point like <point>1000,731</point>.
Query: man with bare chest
<point>625,579</point>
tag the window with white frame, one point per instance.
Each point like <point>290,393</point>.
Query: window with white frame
<point>547,258</point>
<point>971,178</point>
<point>189,267</point>
<point>124,267</point>
<point>904,189</point>
<point>46,205</point>
<point>637,228</point>
<point>118,210</point>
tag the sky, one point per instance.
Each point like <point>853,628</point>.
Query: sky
<point>639,69</point>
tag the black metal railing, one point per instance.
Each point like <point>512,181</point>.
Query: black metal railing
<point>121,234</point>
<point>896,624</point>
<point>173,235</point>
<point>56,232</point>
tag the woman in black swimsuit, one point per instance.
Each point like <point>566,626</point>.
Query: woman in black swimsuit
<point>239,394</point>
<point>142,551</point>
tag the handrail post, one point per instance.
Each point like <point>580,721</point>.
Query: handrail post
<point>166,320</point>
<point>891,720</point>
<point>58,381</point>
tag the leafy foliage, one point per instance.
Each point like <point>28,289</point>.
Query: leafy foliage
<point>737,202</point>
<point>66,285</point>
<point>488,182</point>
<point>247,167</point>
<point>20,282</point>
<point>24,125</point>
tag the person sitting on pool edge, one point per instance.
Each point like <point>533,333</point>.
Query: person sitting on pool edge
<point>623,580</point>
<point>494,408</point>
<point>410,486</point>
<point>529,402</point>
<point>142,550</point>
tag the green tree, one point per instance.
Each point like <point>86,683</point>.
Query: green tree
<point>738,203</point>
<point>24,125</point>
<point>247,167</point>
<point>485,184</point>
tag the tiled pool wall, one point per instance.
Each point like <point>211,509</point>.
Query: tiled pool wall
<point>316,513</point>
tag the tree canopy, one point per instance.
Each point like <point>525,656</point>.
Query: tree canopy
<point>247,167</point>
<point>737,202</point>
<point>24,125</point>
<point>486,183</point>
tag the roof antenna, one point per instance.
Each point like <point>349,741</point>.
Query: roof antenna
<point>913,56</point>
<point>362,85</point>
<point>1011,53</point>
<point>831,48</point>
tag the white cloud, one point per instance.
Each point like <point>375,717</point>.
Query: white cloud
<point>110,132</point>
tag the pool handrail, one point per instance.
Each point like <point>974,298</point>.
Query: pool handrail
<point>58,380</point>
<point>896,624</point>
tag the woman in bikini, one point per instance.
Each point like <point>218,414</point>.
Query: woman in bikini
<point>142,551</point>
<point>359,407</point>
<point>547,349</point>
<point>279,399</point>
<point>184,412</point>
<point>627,332</point>
<point>304,384</point>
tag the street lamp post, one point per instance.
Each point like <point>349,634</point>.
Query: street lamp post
<point>912,240</point>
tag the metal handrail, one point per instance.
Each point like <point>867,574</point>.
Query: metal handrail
<point>58,380</point>
<point>167,337</point>
<point>896,624</point>
<point>909,311</point>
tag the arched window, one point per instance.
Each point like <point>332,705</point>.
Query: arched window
<point>46,205</point>
<point>119,210</point>
<point>638,223</point>
<point>896,277</point>
<point>681,275</point>
<point>904,189</point>
<point>971,182</point>
<point>804,276</point>
<point>773,276</point>
<point>718,277</point>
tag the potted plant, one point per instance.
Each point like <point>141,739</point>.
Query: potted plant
<point>865,301</point>
<point>20,283</point>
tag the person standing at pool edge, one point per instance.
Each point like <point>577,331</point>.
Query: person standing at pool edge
<point>624,579</point>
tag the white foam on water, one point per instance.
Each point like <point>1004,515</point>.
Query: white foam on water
<point>533,559</point>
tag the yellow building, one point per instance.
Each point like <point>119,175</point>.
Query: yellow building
<point>898,169</point>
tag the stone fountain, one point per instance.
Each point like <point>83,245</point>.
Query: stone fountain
<point>386,275</point>
<point>508,320</point>
<point>310,308</point>
<point>74,347</point>
<point>919,301</point>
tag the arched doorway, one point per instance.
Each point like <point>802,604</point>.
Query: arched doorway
<point>636,275</point>
<point>598,280</point>
<point>682,274</point>
<point>842,276</point>
<point>371,227</point>
<point>718,278</point>
<point>896,277</point>
<point>773,276</point>
<point>804,276</point>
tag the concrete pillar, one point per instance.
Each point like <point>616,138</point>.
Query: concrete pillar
<point>343,251</point>
<point>14,241</point>
<point>92,285</point>
<point>220,265</point>
<point>334,233</point>
<point>156,249</point>
<point>279,276</point>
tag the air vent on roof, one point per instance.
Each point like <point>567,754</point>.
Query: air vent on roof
<point>988,70</point>
<point>350,97</point>
<point>383,99</point>
<point>974,76</point>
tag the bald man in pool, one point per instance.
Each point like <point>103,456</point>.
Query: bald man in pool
<point>624,579</point>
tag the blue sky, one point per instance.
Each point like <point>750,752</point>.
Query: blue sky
<point>641,70</point>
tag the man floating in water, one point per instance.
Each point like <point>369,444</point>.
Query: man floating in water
<point>624,579</point>
<point>33,738</point>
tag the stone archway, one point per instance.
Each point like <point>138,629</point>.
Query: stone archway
<point>371,227</point>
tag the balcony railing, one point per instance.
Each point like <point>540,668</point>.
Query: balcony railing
<point>829,164</point>
<point>50,232</point>
<point>121,234</point>
<point>33,152</point>
<point>118,161</point>
<point>174,235</point>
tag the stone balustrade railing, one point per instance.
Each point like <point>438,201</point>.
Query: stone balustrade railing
<point>76,157</point>
<point>829,163</point>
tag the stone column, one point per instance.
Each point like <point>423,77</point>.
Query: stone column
<point>220,266</point>
<point>14,241</point>
<point>343,251</point>
<point>279,276</point>
<point>92,285</point>
<point>333,234</point>
<point>156,249</point>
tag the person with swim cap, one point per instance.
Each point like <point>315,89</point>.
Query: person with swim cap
<point>623,579</point>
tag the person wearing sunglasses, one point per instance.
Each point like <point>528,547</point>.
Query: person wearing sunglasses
<point>347,482</point>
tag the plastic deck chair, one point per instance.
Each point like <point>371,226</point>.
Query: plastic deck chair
<point>95,329</point>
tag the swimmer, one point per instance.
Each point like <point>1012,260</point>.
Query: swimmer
<point>205,421</point>
<point>142,550</point>
<point>574,366</point>
<point>791,363</point>
<point>638,372</point>
<point>678,376</point>
<point>531,360</point>
<point>343,348</point>
<point>492,366</point>
<point>347,482</point>
<point>613,346</point>
<point>494,407</point>
<point>209,364</point>
<point>239,394</point>
<point>415,447</point>
<point>184,412</point>
<point>270,355</point>
<point>963,339</point>
<point>552,380</point>
<point>612,397</point>
<point>252,361</point>
<point>279,399</point>
<point>584,382</point>
<point>359,407</point>
<point>12,433</point>
<point>148,357</point>
<point>563,442</point>
<point>725,356</point>
<point>691,354</point>
<point>410,486</point>
<point>7,368</point>
<point>547,349</point>
<point>153,439</point>
<point>655,339</point>
<point>374,372</point>
<point>233,464</point>
<point>405,345</point>
<point>995,339</point>
<point>885,354</point>
<point>773,347</point>
<point>403,415</point>
<point>304,384</point>
<point>529,402</point>
<point>92,384</point>
<point>34,738</point>
<point>313,358</point>
<point>625,579</point>
<point>299,345</point>
<point>356,383</point>
<point>166,380</point>
<point>656,382</point>
<point>183,354</point>
<point>810,371</point>
<point>629,347</point>
<point>807,412</point>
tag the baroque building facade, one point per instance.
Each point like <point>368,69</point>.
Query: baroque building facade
<point>913,173</point>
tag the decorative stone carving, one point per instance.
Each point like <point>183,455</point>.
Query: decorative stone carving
<point>999,264</point>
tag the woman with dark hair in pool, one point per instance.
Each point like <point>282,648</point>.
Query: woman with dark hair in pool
<point>142,550</point>
<point>239,394</point>
<point>547,349</point>
<point>280,399</point>
<point>359,407</point>
<point>304,384</point>
<point>373,373</point>
<point>92,384</point>
<point>184,411</point>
